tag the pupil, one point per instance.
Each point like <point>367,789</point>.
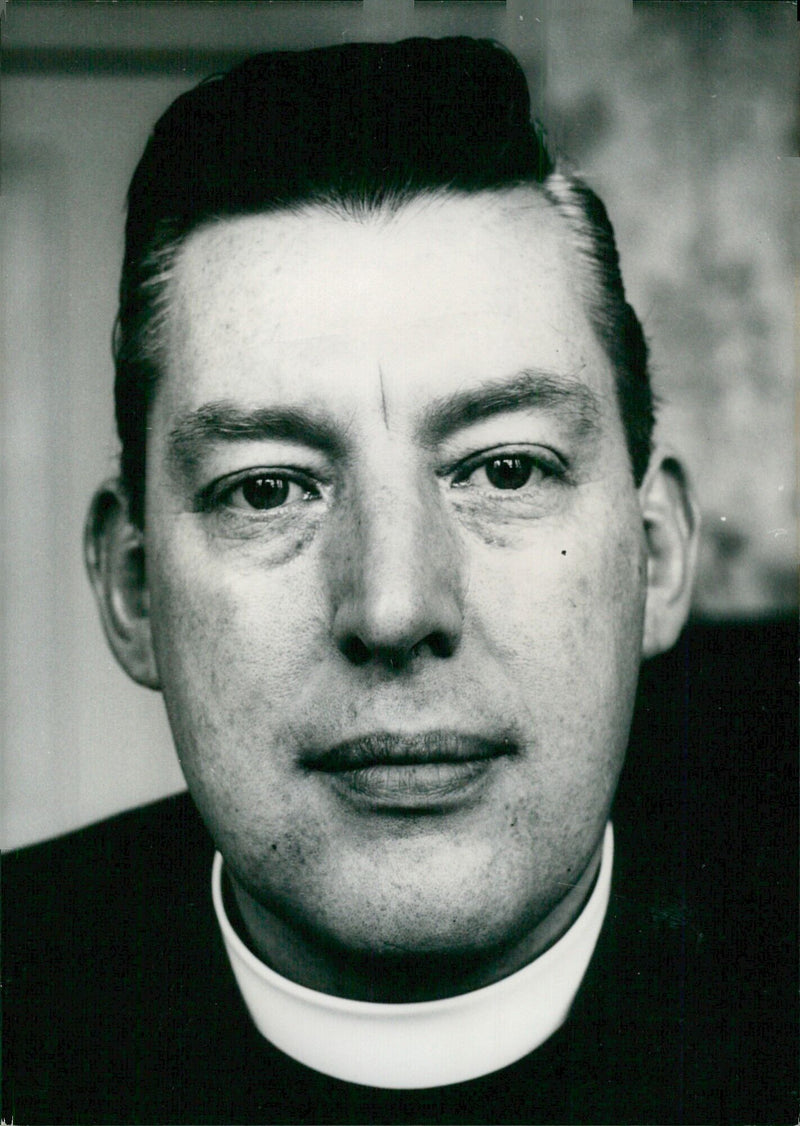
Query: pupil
<point>508,472</point>
<point>265,492</point>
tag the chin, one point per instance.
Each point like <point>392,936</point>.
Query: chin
<point>450,913</point>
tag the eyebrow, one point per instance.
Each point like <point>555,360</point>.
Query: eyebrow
<point>225,421</point>
<point>527,390</point>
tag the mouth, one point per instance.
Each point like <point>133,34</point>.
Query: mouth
<point>431,770</point>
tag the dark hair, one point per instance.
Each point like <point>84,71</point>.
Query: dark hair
<point>359,127</point>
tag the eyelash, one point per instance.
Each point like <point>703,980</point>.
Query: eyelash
<point>551,468</point>
<point>219,494</point>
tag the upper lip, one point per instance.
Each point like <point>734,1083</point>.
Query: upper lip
<point>386,748</point>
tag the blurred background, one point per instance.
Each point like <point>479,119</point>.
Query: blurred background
<point>682,115</point>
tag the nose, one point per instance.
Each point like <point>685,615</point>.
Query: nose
<point>397,582</point>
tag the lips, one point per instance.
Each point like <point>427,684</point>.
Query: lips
<point>427,769</point>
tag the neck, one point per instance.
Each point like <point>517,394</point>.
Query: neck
<point>408,976</point>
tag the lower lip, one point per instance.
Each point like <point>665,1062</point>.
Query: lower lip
<point>414,786</point>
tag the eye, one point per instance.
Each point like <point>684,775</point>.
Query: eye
<point>264,491</point>
<point>509,471</point>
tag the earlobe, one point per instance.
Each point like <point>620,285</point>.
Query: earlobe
<point>671,524</point>
<point>115,561</point>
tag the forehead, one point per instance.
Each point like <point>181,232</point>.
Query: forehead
<point>446,290</point>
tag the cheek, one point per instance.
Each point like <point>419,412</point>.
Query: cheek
<point>564,611</point>
<point>562,582</point>
<point>234,649</point>
<point>233,646</point>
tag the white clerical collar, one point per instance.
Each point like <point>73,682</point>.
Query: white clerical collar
<point>425,1043</point>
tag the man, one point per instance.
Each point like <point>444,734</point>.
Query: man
<point>390,537</point>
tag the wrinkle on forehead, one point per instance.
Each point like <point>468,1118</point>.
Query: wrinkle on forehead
<point>282,294</point>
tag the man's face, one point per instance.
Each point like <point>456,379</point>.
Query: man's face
<point>396,564</point>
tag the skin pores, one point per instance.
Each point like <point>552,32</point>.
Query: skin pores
<point>391,520</point>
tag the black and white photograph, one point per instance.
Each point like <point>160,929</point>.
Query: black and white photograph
<point>400,562</point>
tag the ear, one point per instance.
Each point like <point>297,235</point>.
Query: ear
<point>671,525</point>
<point>115,560</point>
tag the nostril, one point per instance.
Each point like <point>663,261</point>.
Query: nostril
<point>355,650</point>
<point>439,643</point>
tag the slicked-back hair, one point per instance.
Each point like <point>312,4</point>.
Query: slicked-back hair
<point>359,128</point>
